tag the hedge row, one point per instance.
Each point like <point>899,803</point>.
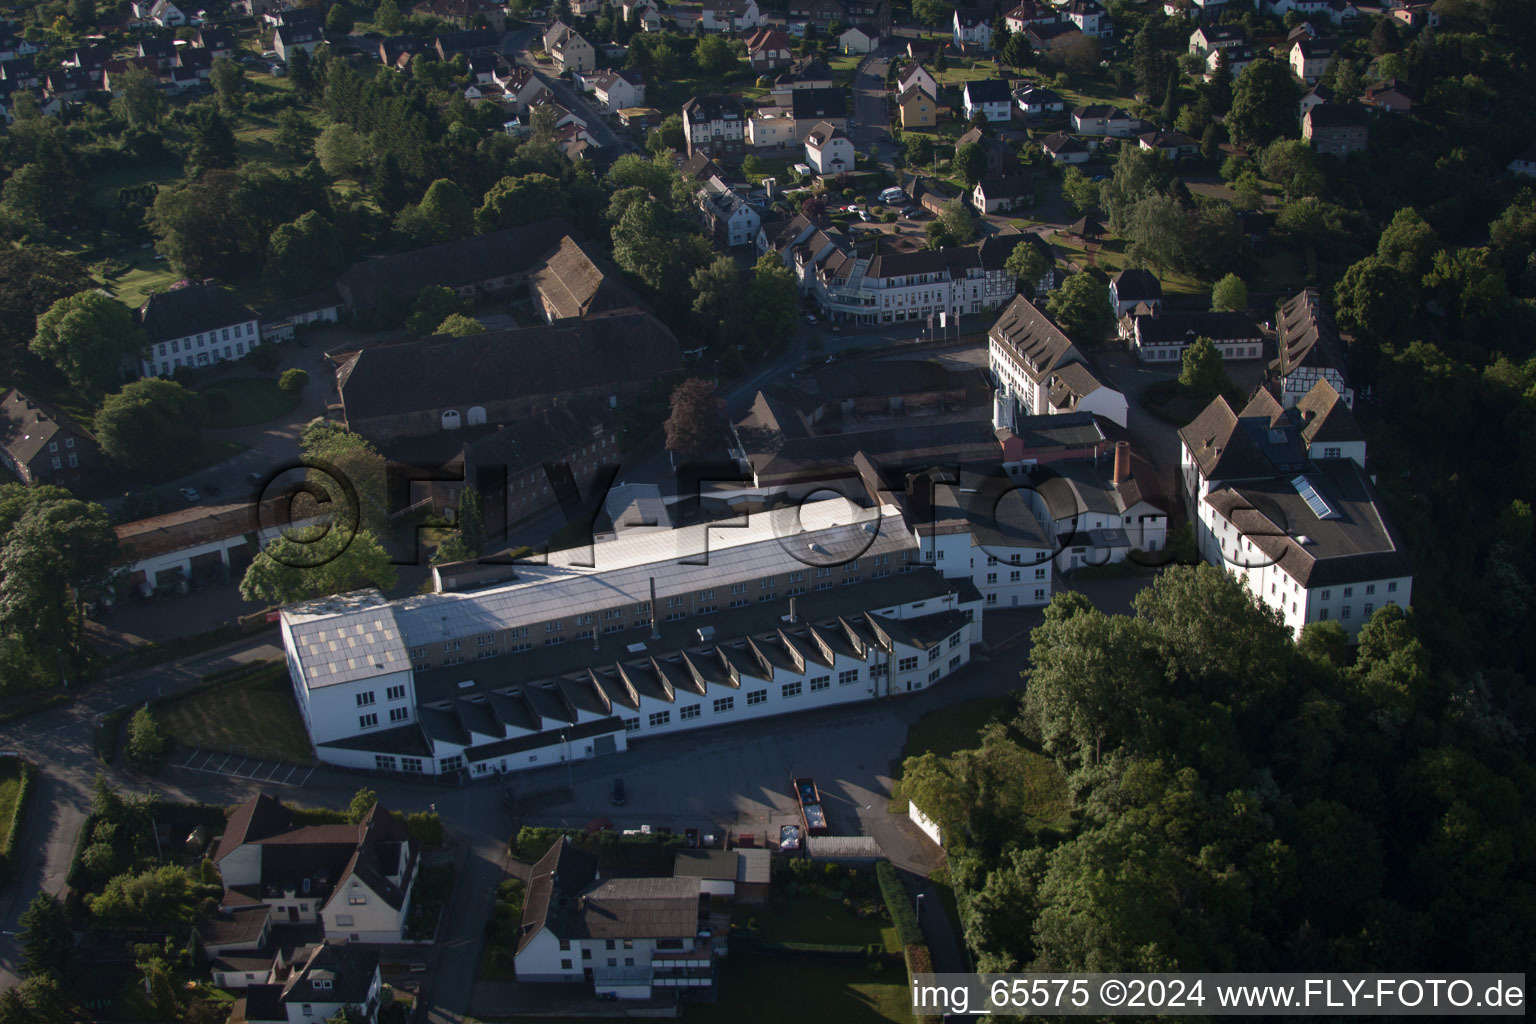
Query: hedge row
<point>899,903</point>
<point>919,961</point>
<point>8,842</point>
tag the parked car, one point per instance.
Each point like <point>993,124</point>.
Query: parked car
<point>909,212</point>
<point>189,494</point>
<point>811,320</point>
<point>211,489</point>
<point>616,794</point>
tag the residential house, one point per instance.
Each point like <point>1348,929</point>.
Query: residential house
<point>1033,101</point>
<point>469,42</point>
<point>1280,498</point>
<point>419,388</point>
<point>873,17</point>
<point>355,880</point>
<point>1524,163</point>
<point>643,10</point>
<point>41,445</point>
<point>1309,57</point>
<point>573,281</point>
<point>810,107</point>
<point>1090,18</point>
<point>1001,159</point>
<point>321,982</point>
<point>730,16</point>
<point>819,14</point>
<point>918,109</point>
<point>571,51</point>
<point>615,90</point>
<point>1208,38</point>
<point>1065,149</point>
<point>198,61</point>
<point>1038,371</point>
<point>1319,93</point>
<point>1043,37</point>
<point>1393,96</point>
<point>1096,512</point>
<point>113,74</point>
<point>1175,146</point>
<point>716,127</point>
<point>1000,194</point>
<point>68,85</point>
<point>396,51</point>
<point>1030,12</point>
<point>808,73</point>
<point>730,219</point>
<point>465,13</point>
<point>160,12</point>
<point>219,41</point>
<point>924,51</point>
<point>772,128</point>
<point>1162,337</point>
<point>828,150</point>
<point>520,85</point>
<point>159,47</point>
<point>237,945</point>
<point>195,325</point>
<point>858,40</point>
<point>554,31</point>
<point>1308,349</point>
<point>915,75</point>
<point>1134,286</point>
<point>1236,58</point>
<point>972,29</point>
<point>1416,15</point>
<point>990,97</point>
<point>1338,129</point>
<point>1101,120</point>
<point>768,49</point>
<point>493,264</point>
<point>628,937</point>
<point>289,39</point>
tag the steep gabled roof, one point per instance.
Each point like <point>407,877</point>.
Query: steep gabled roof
<point>1326,418</point>
<point>576,281</point>
<point>1306,336</point>
<point>191,309</point>
<point>258,818</point>
<point>563,871</point>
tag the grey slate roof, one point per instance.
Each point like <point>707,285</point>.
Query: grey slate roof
<point>192,309</point>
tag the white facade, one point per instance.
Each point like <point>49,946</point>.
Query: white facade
<point>997,111</point>
<point>974,31</point>
<point>206,348</point>
<point>358,914</point>
<point>929,827</point>
<point>362,666</point>
<point>829,154</point>
<point>1047,376</point>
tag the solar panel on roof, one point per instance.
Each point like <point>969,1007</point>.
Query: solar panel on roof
<point>1315,502</point>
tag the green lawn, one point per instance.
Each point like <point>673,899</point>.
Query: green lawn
<point>818,920</point>
<point>256,713</point>
<point>145,276</point>
<point>252,400</point>
<point>760,989</point>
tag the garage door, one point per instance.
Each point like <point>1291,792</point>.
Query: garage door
<point>604,745</point>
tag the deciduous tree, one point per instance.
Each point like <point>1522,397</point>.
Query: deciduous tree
<point>87,336</point>
<point>1203,372</point>
<point>152,428</point>
<point>970,163</point>
<point>1083,308</point>
<point>1229,294</point>
<point>1264,99</point>
<point>694,426</point>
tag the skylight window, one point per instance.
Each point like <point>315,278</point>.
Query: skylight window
<point>1308,491</point>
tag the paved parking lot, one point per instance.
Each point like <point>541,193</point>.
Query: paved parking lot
<point>243,766</point>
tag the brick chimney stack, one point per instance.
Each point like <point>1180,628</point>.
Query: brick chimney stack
<point>1122,461</point>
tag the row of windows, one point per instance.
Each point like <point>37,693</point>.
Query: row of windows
<point>396,692</point>
<point>371,719</point>
<point>208,338</point>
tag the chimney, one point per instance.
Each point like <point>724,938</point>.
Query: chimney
<point>1122,461</point>
<point>655,613</point>
<point>791,609</point>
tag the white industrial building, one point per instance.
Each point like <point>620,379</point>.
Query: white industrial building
<point>648,633</point>
<point>1281,498</point>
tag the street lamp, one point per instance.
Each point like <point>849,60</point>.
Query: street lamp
<point>569,782</point>
<point>919,902</point>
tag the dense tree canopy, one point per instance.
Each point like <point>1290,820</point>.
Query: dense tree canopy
<point>1082,307</point>
<point>152,428</point>
<point>694,426</point>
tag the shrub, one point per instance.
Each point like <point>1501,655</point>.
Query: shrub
<point>293,379</point>
<point>147,746</point>
<point>426,827</point>
<point>898,903</point>
<point>8,841</point>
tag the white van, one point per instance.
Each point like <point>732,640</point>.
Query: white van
<point>892,195</point>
